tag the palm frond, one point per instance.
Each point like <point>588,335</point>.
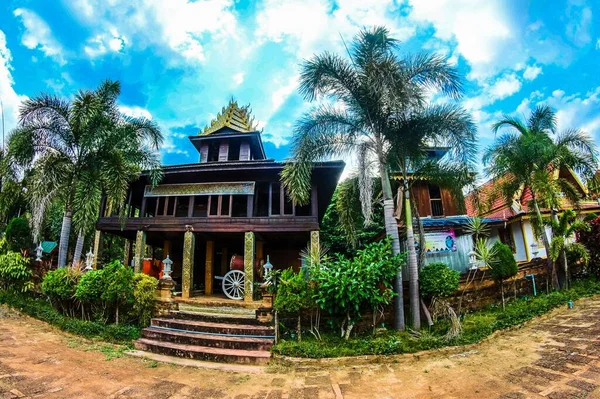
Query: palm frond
<point>542,119</point>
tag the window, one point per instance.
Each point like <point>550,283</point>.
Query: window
<point>213,151</point>
<point>182,207</point>
<point>200,206</point>
<point>214,205</point>
<point>239,206</point>
<point>150,207</point>
<point>435,197</point>
<point>234,150</point>
<point>261,199</point>
<point>225,203</point>
<point>275,198</point>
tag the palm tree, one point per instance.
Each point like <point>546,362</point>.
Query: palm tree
<point>362,94</point>
<point>78,150</point>
<point>530,157</point>
<point>412,135</point>
<point>560,247</point>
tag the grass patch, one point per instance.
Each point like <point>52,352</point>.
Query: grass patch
<point>476,326</point>
<point>42,310</point>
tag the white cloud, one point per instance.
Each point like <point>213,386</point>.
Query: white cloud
<point>482,30</point>
<point>105,42</point>
<point>238,78</point>
<point>39,36</point>
<point>579,26</point>
<point>285,88</point>
<point>505,87</point>
<point>135,111</point>
<point>179,25</point>
<point>524,108</point>
<point>10,99</point>
<point>532,72</point>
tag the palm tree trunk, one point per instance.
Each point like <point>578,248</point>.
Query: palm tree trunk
<point>65,232</point>
<point>78,249</point>
<point>549,264</point>
<point>567,283</point>
<point>391,229</point>
<point>413,266</point>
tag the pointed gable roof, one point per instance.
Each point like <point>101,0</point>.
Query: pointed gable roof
<point>234,117</point>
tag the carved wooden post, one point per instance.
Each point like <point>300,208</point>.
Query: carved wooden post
<point>187,273</point>
<point>97,248</point>
<point>208,268</point>
<point>127,252</point>
<point>314,245</point>
<point>249,266</point>
<point>140,251</point>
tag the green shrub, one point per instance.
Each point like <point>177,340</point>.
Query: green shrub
<point>60,286</point>
<point>118,287</point>
<point>504,265</point>
<point>350,286</point>
<point>3,244</point>
<point>18,235</point>
<point>293,295</point>
<point>15,274</point>
<point>438,280</point>
<point>42,310</point>
<point>144,291</point>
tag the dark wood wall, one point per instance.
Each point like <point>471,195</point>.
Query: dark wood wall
<point>420,194</point>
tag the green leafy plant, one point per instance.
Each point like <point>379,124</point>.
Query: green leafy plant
<point>60,286</point>
<point>348,287</point>
<point>118,288</point>
<point>293,295</point>
<point>503,266</point>
<point>438,280</point>
<point>15,273</point>
<point>18,235</point>
<point>144,290</point>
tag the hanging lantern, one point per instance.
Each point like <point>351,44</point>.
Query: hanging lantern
<point>38,252</point>
<point>535,249</point>
<point>167,269</point>
<point>89,261</point>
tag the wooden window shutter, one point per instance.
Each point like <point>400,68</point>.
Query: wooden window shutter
<point>204,153</point>
<point>244,151</point>
<point>223,151</point>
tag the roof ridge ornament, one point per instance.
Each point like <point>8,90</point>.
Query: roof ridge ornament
<point>233,116</point>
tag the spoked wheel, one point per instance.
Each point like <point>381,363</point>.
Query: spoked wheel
<point>233,284</point>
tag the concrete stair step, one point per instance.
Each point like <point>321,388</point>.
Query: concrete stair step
<point>228,310</point>
<point>207,340</point>
<point>215,328</point>
<point>203,353</point>
<point>212,317</point>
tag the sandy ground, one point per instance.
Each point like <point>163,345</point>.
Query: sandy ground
<point>557,356</point>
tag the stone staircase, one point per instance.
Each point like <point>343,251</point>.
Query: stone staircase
<point>210,333</point>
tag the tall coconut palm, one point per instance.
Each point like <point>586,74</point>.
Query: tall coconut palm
<point>78,150</point>
<point>530,156</point>
<point>361,94</point>
<point>412,135</point>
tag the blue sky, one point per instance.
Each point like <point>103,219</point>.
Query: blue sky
<point>180,61</point>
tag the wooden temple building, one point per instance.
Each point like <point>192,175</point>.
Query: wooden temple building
<point>227,211</point>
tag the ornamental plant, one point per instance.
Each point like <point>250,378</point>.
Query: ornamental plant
<point>504,266</point>
<point>144,288</point>
<point>438,280</point>
<point>349,287</point>
<point>18,235</point>
<point>60,286</point>
<point>293,296</point>
<point>15,274</point>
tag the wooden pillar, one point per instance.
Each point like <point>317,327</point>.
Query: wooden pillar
<point>140,251</point>
<point>224,261</point>
<point>127,252</point>
<point>249,266</point>
<point>260,256</point>
<point>208,268</point>
<point>97,249</point>
<point>187,273</point>
<point>314,245</point>
<point>166,249</point>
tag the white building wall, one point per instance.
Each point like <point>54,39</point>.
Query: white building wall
<point>517,234</point>
<point>530,238</point>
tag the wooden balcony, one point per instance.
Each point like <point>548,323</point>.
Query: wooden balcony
<point>210,224</point>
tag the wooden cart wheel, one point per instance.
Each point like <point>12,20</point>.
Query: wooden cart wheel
<point>233,284</point>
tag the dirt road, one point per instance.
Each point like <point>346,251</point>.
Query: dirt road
<point>555,357</point>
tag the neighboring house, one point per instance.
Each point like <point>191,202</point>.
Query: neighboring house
<point>443,219</point>
<point>513,226</point>
<point>228,211</point>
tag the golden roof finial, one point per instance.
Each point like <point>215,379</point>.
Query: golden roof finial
<point>234,117</point>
